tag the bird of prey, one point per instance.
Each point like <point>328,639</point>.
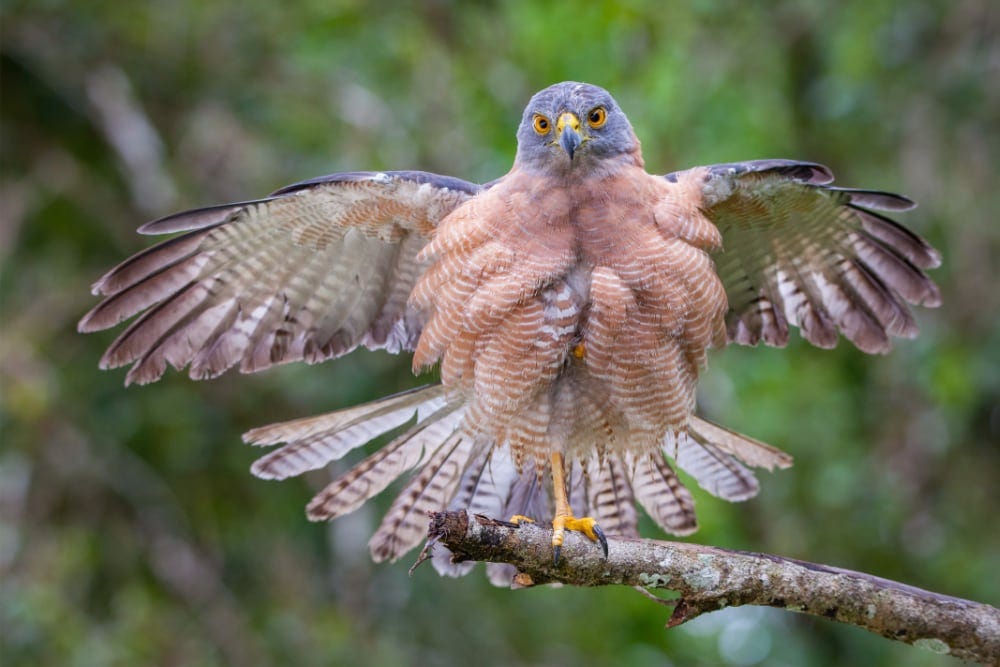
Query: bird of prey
<point>569,303</point>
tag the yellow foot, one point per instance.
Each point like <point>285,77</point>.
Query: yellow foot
<point>586,525</point>
<point>520,518</point>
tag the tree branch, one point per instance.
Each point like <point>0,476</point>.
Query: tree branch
<point>709,578</point>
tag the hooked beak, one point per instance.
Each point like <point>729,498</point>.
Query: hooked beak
<point>568,131</point>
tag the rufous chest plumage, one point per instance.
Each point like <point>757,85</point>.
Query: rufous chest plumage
<point>544,295</point>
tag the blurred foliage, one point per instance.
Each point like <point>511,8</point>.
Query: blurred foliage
<point>130,529</point>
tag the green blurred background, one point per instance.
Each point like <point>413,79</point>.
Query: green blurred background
<point>131,532</point>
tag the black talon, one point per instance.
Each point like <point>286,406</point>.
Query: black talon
<point>556,552</point>
<point>602,539</point>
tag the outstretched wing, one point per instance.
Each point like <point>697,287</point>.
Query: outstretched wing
<point>798,251</point>
<point>308,273</point>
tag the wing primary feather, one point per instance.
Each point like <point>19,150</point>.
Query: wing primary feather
<point>149,261</point>
<point>126,348</point>
<point>885,201</point>
<point>894,235</point>
<point>168,334</point>
<point>865,314</point>
<point>896,270</point>
<point>142,293</point>
<point>215,357</point>
<point>888,306</point>
<point>197,218</point>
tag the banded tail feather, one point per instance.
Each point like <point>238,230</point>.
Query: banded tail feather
<point>455,467</point>
<point>314,442</point>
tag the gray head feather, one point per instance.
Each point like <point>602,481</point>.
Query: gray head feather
<point>612,143</point>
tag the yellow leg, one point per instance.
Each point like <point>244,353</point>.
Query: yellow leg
<point>564,519</point>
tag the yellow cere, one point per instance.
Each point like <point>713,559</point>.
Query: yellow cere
<point>568,120</point>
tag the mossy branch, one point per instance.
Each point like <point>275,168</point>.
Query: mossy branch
<point>709,578</point>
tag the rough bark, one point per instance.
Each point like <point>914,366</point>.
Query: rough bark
<point>709,578</point>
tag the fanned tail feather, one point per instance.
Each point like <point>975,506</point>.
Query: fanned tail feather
<point>715,471</point>
<point>314,442</point>
<point>484,489</point>
<point>429,490</point>
<point>662,494</point>
<point>457,469</point>
<point>752,452</point>
<point>577,488</point>
<point>712,454</point>
<point>528,497</point>
<point>422,442</point>
<point>610,498</point>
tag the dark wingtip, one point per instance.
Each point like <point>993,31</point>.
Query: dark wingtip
<point>196,218</point>
<point>86,325</point>
<point>877,199</point>
<point>933,258</point>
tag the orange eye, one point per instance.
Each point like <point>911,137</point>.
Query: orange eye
<point>597,117</point>
<point>541,124</point>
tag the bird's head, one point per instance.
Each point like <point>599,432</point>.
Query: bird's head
<point>575,127</point>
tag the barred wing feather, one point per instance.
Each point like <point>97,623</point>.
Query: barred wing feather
<point>797,251</point>
<point>309,273</point>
